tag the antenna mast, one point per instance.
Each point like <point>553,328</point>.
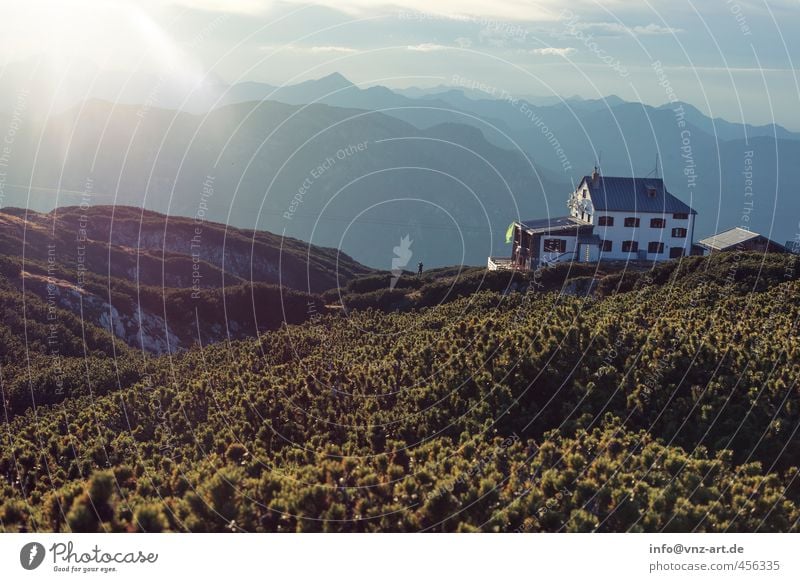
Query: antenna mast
<point>654,172</point>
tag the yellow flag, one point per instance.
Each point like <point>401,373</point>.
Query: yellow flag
<point>510,233</point>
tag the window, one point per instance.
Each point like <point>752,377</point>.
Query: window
<point>652,192</point>
<point>632,221</point>
<point>605,221</point>
<point>675,252</point>
<point>657,223</point>
<point>630,246</point>
<point>655,248</point>
<point>680,216</point>
<point>678,233</point>
<point>606,246</point>
<point>555,245</point>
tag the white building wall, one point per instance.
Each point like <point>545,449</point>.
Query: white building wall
<point>588,253</point>
<point>643,235</point>
<point>571,242</point>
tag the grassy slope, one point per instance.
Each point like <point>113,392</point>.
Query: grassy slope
<point>662,407</point>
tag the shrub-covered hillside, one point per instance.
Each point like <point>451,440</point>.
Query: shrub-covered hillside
<point>160,283</point>
<point>659,400</point>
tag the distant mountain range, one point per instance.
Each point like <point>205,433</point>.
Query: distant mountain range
<point>360,168</point>
<point>342,178</point>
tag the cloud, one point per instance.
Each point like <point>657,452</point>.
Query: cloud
<point>655,29</point>
<point>473,10</point>
<point>427,47</point>
<point>232,6</point>
<point>332,49</point>
<point>500,34</point>
<point>616,28</point>
<point>554,51</point>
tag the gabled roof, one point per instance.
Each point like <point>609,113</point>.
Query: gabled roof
<point>632,194</point>
<point>730,238</point>
<point>554,224</point>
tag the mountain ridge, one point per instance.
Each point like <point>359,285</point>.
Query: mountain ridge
<point>163,284</point>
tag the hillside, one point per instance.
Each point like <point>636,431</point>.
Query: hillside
<point>88,295</point>
<point>160,284</point>
<point>154,249</point>
<point>664,400</point>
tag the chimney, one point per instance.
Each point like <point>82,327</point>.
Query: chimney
<point>595,175</point>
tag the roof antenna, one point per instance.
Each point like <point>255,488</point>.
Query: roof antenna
<point>596,171</point>
<point>654,172</point>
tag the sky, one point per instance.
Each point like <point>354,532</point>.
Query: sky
<point>731,59</point>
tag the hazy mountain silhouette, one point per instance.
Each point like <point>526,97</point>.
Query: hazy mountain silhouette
<point>439,164</point>
<point>446,187</point>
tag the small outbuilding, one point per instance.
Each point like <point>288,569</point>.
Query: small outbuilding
<point>739,239</point>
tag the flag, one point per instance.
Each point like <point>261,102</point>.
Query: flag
<point>510,233</point>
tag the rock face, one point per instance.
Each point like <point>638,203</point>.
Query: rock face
<point>142,329</point>
<point>162,284</point>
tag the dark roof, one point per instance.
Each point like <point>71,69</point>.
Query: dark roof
<point>632,194</point>
<point>552,224</point>
<point>591,239</point>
